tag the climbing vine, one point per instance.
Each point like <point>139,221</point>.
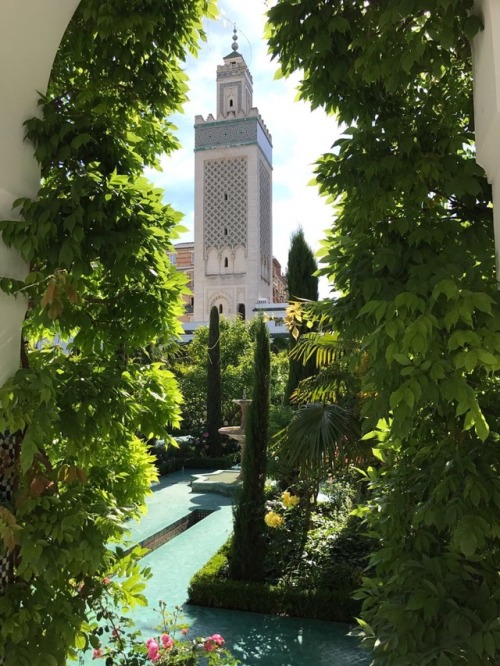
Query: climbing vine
<point>412,255</point>
<point>100,290</point>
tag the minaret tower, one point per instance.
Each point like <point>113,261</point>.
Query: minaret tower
<point>233,199</point>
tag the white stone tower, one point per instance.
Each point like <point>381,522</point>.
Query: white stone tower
<point>233,199</point>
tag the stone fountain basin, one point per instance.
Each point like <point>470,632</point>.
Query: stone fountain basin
<point>235,432</point>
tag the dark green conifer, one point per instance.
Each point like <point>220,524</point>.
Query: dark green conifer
<point>214,394</point>
<point>302,284</point>
<point>249,543</point>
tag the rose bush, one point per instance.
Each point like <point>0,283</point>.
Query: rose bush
<point>118,643</point>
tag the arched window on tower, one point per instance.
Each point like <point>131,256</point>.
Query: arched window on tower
<point>241,310</point>
<point>220,308</point>
<point>226,262</point>
<point>230,103</point>
<point>225,231</point>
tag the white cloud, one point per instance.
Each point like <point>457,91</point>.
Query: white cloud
<point>299,135</point>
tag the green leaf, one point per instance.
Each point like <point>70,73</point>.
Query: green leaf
<point>468,543</point>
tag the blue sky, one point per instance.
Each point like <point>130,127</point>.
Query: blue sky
<point>299,135</point>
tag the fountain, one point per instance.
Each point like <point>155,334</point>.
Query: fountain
<point>238,432</point>
<point>228,481</point>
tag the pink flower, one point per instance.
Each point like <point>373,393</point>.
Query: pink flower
<point>213,642</point>
<point>217,638</point>
<point>205,435</point>
<point>116,633</point>
<point>167,641</point>
<point>209,645</point>
<point>184,631</point>
<point>97,654</point>
<point>106,581</point>
<point>153,649</point>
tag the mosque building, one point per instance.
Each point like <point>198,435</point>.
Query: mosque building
<point>230,264</point>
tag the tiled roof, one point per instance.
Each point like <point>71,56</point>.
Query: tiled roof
<point>181,245</point>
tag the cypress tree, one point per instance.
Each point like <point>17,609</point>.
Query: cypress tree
<point>214,393</point>
<point>249,543</point>
<point>302,283</point>
<point>301,279</point>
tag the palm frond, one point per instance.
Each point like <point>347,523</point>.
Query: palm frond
<point>331,385</point>
<point>318,438</point>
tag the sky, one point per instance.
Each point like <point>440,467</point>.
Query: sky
<point>299,135</point>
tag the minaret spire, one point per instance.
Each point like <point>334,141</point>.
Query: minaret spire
<point>234,45</point>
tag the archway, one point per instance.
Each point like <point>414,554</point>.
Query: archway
<point>30,33</point>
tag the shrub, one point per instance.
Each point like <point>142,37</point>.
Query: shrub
<point>211,587</point>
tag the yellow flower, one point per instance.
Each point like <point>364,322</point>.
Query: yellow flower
<point>289,500</point>
<point>273,519</point>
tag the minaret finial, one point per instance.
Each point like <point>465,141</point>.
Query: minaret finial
<point>234,45</point>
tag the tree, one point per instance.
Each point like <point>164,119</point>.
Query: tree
<point>412,255</point>
<point>237,340</point>
<point>249,542</point>
<point>236,355</point>
<point>302,283</point>
<point>100,289</point>
<point>301,277</point>
<point>214,397</point>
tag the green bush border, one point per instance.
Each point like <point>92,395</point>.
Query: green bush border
<point>209,587</point>
<point>169,465</point>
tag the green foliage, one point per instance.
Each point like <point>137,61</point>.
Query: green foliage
<point>301,272</point>
<point>170,459</point>
<point>319,438</point>
<point>249,545</point>
<point>412,255</point>
<point>214,395</point>
<point>312,565</point>
<point>324,433</point>
<point>302,283</point>
<point>237,340</point>
<point>211,587</point>
<point>100,291</point>
<point>116,639</point>
<point>236,350</point>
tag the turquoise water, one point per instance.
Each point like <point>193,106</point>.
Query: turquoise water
<point>255,639</point>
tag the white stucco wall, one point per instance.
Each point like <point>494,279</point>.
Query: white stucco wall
<point>30,33</point>
<point>486,63</point>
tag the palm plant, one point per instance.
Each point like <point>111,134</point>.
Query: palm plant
<point>325,431</point>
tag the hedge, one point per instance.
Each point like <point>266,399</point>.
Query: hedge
<point>174,464</point>
<point>211,587</point>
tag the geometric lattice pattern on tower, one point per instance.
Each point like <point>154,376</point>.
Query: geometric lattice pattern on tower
<point>225,202</point>
<point>265,210</point>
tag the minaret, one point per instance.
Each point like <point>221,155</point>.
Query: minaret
<point>233,199</point>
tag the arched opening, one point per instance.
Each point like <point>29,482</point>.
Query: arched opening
<point>220,308</point>
<point>33,30</point>
<point>241,310</point>
<point>226,262</point>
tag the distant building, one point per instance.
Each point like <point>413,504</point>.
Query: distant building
<point>183,258</point>
<point>280,287</point>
